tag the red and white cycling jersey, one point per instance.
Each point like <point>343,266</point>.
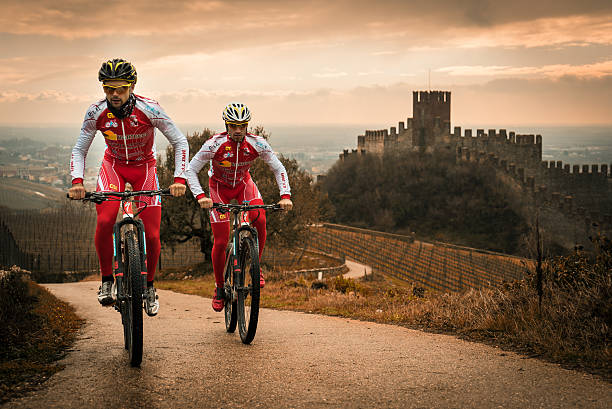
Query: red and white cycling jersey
<point>230,162</point>
<point>129,140</point>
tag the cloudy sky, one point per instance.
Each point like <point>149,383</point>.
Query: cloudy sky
<point>314,62</point>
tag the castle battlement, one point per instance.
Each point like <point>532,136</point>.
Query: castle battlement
<point>431,97</point>
<point>499,136</point>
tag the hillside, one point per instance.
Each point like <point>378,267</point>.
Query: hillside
<point>22,194</point>
<point>429,194</point>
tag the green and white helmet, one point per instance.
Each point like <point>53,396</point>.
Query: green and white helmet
<point>236,113</point>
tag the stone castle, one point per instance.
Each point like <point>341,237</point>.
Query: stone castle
<point>578,191</point>
<point>428,130</point>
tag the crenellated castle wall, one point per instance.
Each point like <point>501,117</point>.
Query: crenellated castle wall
<point>583,191</point>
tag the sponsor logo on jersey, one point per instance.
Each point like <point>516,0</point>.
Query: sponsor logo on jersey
<point>228,155</point>
<point>113,187</point>
<point>110,135</point>
<point>110,115</point>
<point>225,164</point>
<point>222,216</point>
<point>228,148</point>
<point>133,120</point>
<point>111,124</point>
<point>135,136</point>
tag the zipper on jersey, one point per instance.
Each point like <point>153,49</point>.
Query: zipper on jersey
<point>125,143</point>
<point>236,168</point>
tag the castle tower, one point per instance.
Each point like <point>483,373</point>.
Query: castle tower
<point>431,117</point>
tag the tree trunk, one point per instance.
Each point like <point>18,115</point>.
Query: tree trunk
<point>205,240</point>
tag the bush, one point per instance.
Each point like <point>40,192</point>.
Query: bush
<point>16,304</point>
<point>344,285</point>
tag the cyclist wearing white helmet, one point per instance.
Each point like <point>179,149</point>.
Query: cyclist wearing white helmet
<point>230,154</point>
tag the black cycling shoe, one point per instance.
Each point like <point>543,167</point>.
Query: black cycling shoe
<point>105,295</point>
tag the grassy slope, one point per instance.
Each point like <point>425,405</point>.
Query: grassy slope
<point>21,194</point>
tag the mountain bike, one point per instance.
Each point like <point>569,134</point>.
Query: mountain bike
<point>241,272</point>
<point>130,268</point>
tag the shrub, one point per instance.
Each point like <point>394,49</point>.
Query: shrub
<point>16,304</point>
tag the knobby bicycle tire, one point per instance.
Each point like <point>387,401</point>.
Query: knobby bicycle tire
<point>134,304</point>
<point>248,283</point>
<point>231,311</point>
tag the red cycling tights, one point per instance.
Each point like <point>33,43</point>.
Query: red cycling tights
<point>113,176</point>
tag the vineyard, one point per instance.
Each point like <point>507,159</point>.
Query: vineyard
<point>62,239</point>
<point>437,266</point>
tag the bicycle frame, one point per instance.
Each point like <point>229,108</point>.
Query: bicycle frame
<point>238,227</point>
<point>240,223</point>
<point>127,220</point>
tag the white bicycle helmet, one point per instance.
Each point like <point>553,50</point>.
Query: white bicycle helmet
<point>236,113</point>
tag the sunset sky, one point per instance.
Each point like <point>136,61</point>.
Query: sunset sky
<point>314,62</point>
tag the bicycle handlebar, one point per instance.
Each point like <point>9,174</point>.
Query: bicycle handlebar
<point>102,196</point>
<point>242,207</point>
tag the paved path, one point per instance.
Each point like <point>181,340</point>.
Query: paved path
<point>296,361</point>
<point>356,270</point>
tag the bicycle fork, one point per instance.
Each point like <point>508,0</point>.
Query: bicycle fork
<point>118,251</point>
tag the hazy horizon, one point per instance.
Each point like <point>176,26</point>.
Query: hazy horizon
<point>572,144</point>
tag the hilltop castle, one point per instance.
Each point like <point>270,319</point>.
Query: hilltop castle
<point>429,129</point>
<point>583,192</point>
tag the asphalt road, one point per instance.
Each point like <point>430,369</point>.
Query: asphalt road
<point>296,361</point>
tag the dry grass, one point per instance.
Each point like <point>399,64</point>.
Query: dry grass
<point>572,326</point>
<point>36,328</point>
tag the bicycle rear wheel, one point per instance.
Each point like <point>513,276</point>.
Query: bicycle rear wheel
<point>231,311</point>
<point>134,299</point>
<point>248,289</point>
<point>120,306</point>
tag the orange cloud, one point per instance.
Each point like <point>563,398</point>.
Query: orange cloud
<point>596,70</point>
<point>570,30</point>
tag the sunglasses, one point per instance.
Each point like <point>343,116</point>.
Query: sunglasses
<point>237,123</point>
<point>121,89</point>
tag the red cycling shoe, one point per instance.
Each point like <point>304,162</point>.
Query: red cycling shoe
<point>218,301</point>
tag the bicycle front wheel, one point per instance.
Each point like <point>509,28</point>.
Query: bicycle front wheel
<point>134,299</point>
<point>248,290</point>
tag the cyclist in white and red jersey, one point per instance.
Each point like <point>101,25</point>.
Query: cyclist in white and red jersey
<point>230,155</point>
<point>127,121</point>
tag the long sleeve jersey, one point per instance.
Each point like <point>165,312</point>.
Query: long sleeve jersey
<point>130,140</point>
<point>230,162</point>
